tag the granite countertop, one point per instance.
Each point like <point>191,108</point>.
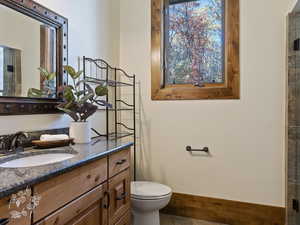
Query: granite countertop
<point>14,179</point>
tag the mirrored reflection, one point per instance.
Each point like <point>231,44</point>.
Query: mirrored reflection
<point>27,56</point>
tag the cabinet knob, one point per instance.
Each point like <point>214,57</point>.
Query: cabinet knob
<point>97,178</point>
<point>107,205</point>
<point>56,220</point>
<point>121,197</point>
<point>121,162</point>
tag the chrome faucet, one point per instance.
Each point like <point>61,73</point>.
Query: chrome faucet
<point>11,144</point>
<point>16,143</point>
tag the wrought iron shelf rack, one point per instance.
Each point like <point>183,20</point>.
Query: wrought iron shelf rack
<point>98,71</point>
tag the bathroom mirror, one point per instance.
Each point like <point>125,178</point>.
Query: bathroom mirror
<point>33,51</point>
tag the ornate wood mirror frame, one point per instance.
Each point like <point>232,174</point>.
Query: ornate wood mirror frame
<point>24,105</point>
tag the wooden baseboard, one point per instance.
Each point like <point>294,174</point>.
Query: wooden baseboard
<point>224,211</point>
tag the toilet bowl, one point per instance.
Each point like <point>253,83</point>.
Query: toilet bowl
<point>147,198</point>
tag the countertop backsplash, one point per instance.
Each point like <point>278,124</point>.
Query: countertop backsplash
<point>33,135</point>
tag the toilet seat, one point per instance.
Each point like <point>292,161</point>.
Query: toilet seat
<point>149,190</point>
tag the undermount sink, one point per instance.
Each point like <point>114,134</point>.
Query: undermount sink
<point>37,160</point>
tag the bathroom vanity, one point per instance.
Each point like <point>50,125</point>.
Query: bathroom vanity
<point>91,188</point>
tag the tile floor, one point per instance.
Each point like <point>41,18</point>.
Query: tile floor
<point>177,220</point>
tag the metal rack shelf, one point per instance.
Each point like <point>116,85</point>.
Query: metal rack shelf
<point>120,109</point>
<point>110,83</point>
<point>97,71</point>
<point>114,136</point>
<point>124,103</point>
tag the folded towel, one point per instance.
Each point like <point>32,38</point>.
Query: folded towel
<point>58,137</point>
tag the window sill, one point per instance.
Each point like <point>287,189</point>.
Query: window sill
<point>190,92</point>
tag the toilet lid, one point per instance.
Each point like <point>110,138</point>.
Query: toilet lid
<point>149,190</point>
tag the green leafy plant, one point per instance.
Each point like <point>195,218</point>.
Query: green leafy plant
<point>48,89</point>
<point>80,100</point>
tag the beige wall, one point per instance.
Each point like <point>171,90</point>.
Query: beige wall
<point>246,137</point>
<point>93,32</point>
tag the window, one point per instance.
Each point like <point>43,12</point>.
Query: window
<point>195,49</point>
<point>194,42</point>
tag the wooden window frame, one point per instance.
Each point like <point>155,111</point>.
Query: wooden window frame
<point>231,87</point>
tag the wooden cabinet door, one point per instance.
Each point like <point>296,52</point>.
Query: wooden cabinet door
<point>59,191</point>
<point>125,220</point>
<point>5,213</point>
<point>87,210</point>
<point>92,216</point>
<point>119,191</point>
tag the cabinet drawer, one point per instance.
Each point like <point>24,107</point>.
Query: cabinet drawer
<point>61,190</point>
<point>88,207</point>
<point>125,220</point>
<point>5,213</point>
<point>119,191</point>
<point>118,162</point>
<point>91,217</point>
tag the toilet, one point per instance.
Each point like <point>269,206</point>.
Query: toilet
<point>147,198</point>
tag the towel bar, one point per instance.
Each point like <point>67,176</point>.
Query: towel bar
<point>189,149</point>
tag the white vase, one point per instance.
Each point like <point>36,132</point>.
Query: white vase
<point>81,132</point>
